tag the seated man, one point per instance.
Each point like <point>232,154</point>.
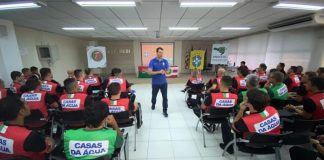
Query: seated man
<point>92,80</point>
<point>300,153</point>
<point>239,83</point>
<point>73,100</point>
<point>36,98</point>
<point>17,79</point>
<point>299,72</point>
<point>313,107</point>
<point>262,74</point>
<point>292,81</point>
<point>95,140</point>
<point>221,100</point>
<point>35,73</point>
<point>262,118</point>
<point>52,87</point>
<point>195,79</point>
<point>4,92</point>
<point>320,72</point>
<point>275,86</point>
<point>301,93</point>
<point>16,140</point>
<point>252,82</point>
<point>117,104</point>
<point>27,73</point>
<point>83,87</point>
<point>214,82</point>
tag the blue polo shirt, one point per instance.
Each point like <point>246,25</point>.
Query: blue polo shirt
<point>157,65</point>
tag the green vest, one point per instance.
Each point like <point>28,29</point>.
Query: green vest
<point>279,91</point>
<point>83,144</point>
<point>243,94</point>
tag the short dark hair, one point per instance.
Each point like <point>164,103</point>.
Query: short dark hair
<point>87,71</point>
<point>310,74</point>
<point>77,73</point>
<point>273,70</point>
<point>159,48</point>
<point>300,68</point>
<point>96,113</point>
<point>244,71</point>
<point>10,107</point>
<point>263,66</point>
<point>318,82</point>
<point>277,75</point>
<point>243,62</point>
<point>15,74</point>
<point>24,70</point>
<point>115,71</point>
<point>31,84</point>
<point>293,69</point>
<point>33,68</point>
<point>44,72</point>
<point>258,99</point>
<point>320,69</point>
<point>114,88</point>
<point>68,84</point>
<point>227,81</point>
<point>282,64</point>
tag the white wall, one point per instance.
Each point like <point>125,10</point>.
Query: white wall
<point>10,59</point>
<point>70,52</point>
<point>294,47</point>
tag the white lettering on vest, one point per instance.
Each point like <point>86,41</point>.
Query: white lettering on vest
<point>116,109</point>
<point>243,83</point>
<point>6,145</point>
<point>91,81</point>
<point>116,80</point>
<point>263,78</point>
<point>296,78</point>
<point>88,148</point>
<point>46,87</point>
<point>70,103</point>
<point>31,97</point>
<point>268,124</point>
<point>283,90</point>
<point>224,103</point>
<point>322,103</point>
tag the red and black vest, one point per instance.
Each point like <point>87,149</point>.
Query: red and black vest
<point>92,81</point>
<point>218,79</point>
<point>15,87</point>
<point>121,81</point>
<point>295,82</point>
<point>118,105</point>
<point>49,87</point>
<point>12,140</point>
<point>223,100</point>
<point>318,99</point>
<point>73,102</point>
<point>262,77</point>
<point>83,87</point>
<point>196,80</point>
<point>3,93</point>
<point>36,101</point>
<point>241,83</point>
<point>267,122</point>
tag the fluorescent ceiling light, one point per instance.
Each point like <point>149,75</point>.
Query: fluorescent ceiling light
<point>18,5</point>
<point>298,6</point>
<point>106,3</point>
<point>207,4</point>
<point>235,28</point>
<point>131,28</point>
<point>183,28</point>
<point>78,28</point>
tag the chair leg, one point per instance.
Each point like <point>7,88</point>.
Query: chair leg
<point>135,131</point>
<point>278,157</point>
<point>227,146</point>
<point>197,124</point>
<point>235,146</point>
<point>203,132</point>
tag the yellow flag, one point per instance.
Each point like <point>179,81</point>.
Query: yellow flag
<point>197,59</point>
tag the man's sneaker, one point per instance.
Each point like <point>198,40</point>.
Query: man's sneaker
<point>230,149</point>
<point>153,107</point>
<point>165,114</point>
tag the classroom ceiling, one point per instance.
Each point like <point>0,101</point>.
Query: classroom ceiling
<point>157,15</point>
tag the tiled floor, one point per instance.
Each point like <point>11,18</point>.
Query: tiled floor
<point>175,137</point>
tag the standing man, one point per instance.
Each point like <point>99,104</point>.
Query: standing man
<point>157,68</point>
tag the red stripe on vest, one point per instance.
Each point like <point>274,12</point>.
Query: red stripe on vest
<point>295,82</point>
<point>196,80</point>
<point>73,103</point>
<point>17,135</point>
<point>268,124</point>
<point>83,87</point>
<point>116,106</point>
<point>36,101</point>
<point>241,83</point>
<point>318,99</point>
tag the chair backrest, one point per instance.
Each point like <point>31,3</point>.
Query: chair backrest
<point>73,116</point>
<point>122,117</point>
<point>35,115</point>
<point>266,140</point>
<point>219,112</point>
<point>300,125</point>
<point>197,87</point>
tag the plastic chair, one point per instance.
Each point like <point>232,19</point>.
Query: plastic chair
<point>73,119</point>
<point>36,121</point>
<point>278,104</point>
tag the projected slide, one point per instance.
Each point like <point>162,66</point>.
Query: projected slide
<point>149,52</point>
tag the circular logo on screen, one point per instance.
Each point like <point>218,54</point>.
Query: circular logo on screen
<point>96,55</point>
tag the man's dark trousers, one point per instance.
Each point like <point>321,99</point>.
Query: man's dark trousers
<point>164,92</point>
